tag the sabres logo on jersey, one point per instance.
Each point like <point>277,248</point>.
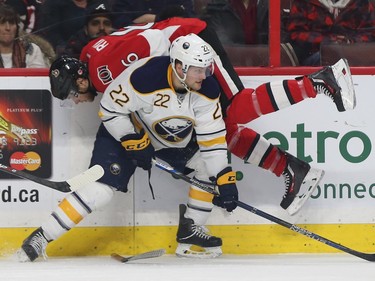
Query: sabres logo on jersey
<point>104,74</point>
<point>174,129</point>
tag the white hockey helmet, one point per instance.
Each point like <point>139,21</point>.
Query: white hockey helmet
<point>191,50</point>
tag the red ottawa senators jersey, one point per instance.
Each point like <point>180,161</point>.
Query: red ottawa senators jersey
<point>110,55</point>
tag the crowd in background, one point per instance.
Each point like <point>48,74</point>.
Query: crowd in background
<point>38,31</point>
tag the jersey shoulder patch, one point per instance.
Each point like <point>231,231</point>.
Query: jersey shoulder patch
<point>151,76</point>
<point>210,88</point>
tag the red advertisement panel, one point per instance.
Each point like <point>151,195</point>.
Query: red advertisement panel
<point>26,131</point>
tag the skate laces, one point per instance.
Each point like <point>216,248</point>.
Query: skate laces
<point>39,244</point>
<point>200,231</point>
<point>322,88</point>
<point>287,181</point>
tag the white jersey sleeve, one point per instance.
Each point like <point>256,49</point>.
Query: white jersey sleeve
<point>118,102</point>
<point>210,133</point>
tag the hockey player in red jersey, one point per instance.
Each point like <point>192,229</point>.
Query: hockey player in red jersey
<point>108,56</point>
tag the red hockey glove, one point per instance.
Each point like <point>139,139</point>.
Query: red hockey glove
<point>139,149</point>
<point>226,183</point>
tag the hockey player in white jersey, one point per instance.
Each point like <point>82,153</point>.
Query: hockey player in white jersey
<point>179,100</point>
<point>166,107</point>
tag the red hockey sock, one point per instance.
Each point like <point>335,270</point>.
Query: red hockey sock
<point>275,161</point>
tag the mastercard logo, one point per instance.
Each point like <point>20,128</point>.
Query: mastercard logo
<point>29,161</point>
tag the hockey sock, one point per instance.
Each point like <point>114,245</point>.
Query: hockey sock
<point>245,143</point>
<point>75,207</point>
<point>275,161</point>
<point>305,88</point>
<point>199,205</point>
<point>255,149</point>
<point>250,104</point>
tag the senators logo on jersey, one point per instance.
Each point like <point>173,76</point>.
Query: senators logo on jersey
<point>174,129</point>
<point>105,74</point>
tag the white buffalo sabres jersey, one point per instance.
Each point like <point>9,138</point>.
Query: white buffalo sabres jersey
<point>145,91</point>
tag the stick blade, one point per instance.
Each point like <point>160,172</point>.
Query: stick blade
<point>119,258</point>
<point>146,255</point>
<point>89,176</point>
<point>368,257</point>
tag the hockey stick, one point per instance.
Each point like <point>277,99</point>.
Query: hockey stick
<point>212,189</point>
<point>89,176</point>
<point>147,255</point>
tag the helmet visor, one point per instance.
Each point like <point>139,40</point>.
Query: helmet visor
<point>70,100</point>
<point>198,72</point>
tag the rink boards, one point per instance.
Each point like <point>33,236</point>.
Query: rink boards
<point>60,146</point>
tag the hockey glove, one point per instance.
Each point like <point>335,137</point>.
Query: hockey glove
<point>139,149</point>
<point>226,183</point>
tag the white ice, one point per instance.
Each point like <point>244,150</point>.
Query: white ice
<point>301,267</point>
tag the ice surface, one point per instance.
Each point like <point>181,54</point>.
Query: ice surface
<point>317,267</point>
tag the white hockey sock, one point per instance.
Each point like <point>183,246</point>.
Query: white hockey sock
<point>199,205</point>
<point>75,207</point>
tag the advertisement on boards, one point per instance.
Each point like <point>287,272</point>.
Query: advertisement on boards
<point>26,131</point>
<point>341,143</point>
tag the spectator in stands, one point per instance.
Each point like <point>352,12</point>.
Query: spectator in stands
<point>239,21</point>
<point>98,23</point>
<point>60,19</point>
<point>143,11</point>
<point>16,51</point>
<point>313,22</point>
<point>28,11</point>
<point>49,54</point>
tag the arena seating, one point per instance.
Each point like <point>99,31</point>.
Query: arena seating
<point>258,55</point>
<point>357,54</point>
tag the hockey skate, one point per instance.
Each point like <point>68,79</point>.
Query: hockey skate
<point>33,246</point>
<point>190,234</point>
<point>336,82</point>
<point>300,181</point>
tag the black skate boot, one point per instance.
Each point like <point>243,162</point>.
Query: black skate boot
<point>335,81</point>
<point>300,181</point>
<point>190,234</point>
<point>33,246</point>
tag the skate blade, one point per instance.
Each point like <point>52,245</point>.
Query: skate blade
<point>21,256</point>
<point>341,71</point>
<point>188,251</point>
<point>313,177</point>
